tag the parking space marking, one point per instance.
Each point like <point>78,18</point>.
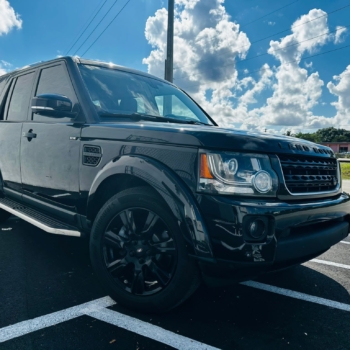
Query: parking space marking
<point>297,295</point>
<point>330,263</point>
<point>345,242</point>
<point>148,330</point>
<point>98,310</point>
<point>35,324</point>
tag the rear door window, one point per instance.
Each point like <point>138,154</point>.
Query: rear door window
<point>19,104</point>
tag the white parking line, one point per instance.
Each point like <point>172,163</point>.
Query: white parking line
<point>297,295</point>
<point>330,263</point>
<point>41,322</point>
<point>148,330</point>
<point>97,309</point>
<point>345,242</point>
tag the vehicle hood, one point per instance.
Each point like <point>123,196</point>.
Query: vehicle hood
<point>201,136</point>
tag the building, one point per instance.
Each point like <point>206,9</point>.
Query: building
<point>338,147</point>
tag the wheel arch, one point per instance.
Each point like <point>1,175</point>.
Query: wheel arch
<point>131,171</point>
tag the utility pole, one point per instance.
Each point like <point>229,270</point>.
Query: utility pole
<point>169,62</point>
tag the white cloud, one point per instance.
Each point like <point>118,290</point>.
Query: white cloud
<point>207,47</point>
<point>4,66</point>
<point>339,37</point>
<point>270,23</point>
<point>8,18</point>
<point>342,91</point>
<point>295,92</point>
<point>292,46</point>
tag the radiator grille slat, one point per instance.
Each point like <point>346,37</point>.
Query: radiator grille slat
<point>304,174</point>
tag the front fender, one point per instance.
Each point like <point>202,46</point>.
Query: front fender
<point>170,187</point>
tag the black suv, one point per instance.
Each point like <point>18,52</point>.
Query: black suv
<point>166,197</point>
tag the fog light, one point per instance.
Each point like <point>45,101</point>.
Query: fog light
<point>257,229</point>
<point>262,182</point>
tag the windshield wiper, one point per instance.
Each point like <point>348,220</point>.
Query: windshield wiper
<point>150,117</point>
<point>135,115</point>
<point>197,122</point>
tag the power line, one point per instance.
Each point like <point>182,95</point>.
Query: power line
<point>295,44</point>
<point>298,43</point>
<point>268,14</point>
<point>301,24</point>
<point>106,28</point>
<point>282,31</point>
<point>293,61</point>
<point>311,56</point>
<point>100,8</point>
<point>114,3</point>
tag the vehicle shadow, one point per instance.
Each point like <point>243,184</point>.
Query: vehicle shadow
<point>234,317</point>
<point>241,317</point>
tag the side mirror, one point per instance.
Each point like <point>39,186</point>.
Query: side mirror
<point>52,105</point>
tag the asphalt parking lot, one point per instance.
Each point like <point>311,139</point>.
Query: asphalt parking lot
<point>50,299</point>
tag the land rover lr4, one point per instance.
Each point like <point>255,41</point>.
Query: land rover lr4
<point>167,198</point>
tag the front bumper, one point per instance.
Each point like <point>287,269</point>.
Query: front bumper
<point>297,232</point>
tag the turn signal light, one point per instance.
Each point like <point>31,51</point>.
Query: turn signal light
<point>205,171</point>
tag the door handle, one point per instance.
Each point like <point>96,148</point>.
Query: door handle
<point>29,134</point>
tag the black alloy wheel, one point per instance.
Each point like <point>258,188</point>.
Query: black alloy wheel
<point>139,252</point>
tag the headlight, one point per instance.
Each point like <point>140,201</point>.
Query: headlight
<point>236,173</point>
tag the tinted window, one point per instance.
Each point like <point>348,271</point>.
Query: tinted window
<point>175,107</point>
<point>54,80</point>
<point>19,104</point>
<point>120,93</point>
<point>2,85</point>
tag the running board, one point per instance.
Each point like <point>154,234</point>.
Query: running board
<point>38,219</point>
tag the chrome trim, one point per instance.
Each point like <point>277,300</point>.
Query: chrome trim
<point>310,193</point>
<point>39,224</point>
<point>88,154</point>
<point>42,107</point>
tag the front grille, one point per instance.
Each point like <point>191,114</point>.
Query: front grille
<point>309,174</point>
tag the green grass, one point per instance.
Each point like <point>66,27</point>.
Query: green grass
<point>345,170</point>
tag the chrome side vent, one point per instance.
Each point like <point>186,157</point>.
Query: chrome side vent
<point>91,155</point>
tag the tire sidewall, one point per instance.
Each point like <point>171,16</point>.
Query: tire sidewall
<point>173,293</point>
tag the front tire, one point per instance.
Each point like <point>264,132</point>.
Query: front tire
<point>139,253</point>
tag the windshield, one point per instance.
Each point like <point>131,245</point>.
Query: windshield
<point>118,93</point>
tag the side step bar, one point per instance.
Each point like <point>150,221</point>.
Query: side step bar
<point>38,219</point>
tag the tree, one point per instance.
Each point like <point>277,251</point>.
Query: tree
<point>308,136</point>
<point>326,135</point>
<point>333,135</point>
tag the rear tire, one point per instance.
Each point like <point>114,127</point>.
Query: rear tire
<point>138,252</point>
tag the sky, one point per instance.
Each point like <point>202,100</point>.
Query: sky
<point>260,65</point>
